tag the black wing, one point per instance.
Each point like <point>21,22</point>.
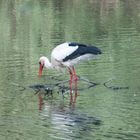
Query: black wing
<point>82,50</point>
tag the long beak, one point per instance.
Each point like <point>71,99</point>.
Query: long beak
<point>40,70</point>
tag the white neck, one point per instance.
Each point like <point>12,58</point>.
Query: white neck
<point>48,64</point>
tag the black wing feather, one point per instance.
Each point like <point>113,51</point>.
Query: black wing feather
<point>82,50</point>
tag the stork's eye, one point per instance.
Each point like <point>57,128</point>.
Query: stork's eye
<point>39,63</point>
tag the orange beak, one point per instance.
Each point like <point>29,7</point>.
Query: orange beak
<point>40,70</point>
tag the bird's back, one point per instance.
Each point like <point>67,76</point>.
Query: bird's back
<point>63,50</point>
<point>82,50</point>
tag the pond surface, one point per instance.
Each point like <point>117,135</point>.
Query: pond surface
<point>30,29</point>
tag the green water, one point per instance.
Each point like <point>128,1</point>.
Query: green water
<point>32,28</point>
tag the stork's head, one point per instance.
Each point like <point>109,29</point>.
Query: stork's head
<point>43,62</point>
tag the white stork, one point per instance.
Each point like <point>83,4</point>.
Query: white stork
<point>67,55</point>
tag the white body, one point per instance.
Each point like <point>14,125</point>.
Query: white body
<point>64,50</point>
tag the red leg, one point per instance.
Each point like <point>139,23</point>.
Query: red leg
<point>76,80</point>
<point>70,83</point>
<point>40,101</point>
